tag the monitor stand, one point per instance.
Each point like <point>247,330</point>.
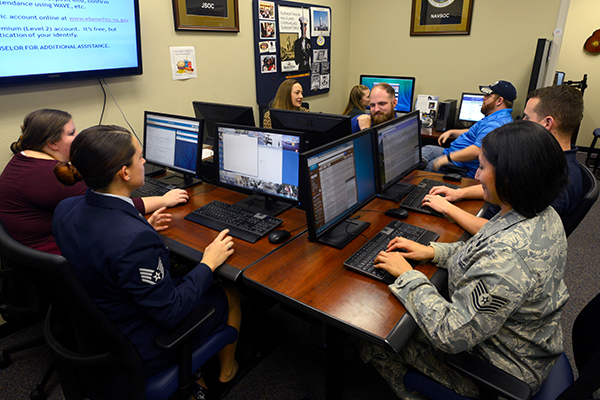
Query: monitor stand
<point>179,180</point>
<point>397,191</point>
<point>264,205</point>
<point>344,233</point>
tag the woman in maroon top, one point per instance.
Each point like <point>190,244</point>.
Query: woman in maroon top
<point>29,190</point>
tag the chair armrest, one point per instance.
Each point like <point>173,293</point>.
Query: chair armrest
<point>195,319</point>
<point>489,378</point>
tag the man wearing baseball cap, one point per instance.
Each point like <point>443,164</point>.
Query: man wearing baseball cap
<point>464,151</point>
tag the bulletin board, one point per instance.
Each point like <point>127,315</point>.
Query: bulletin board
<point>292,40</point>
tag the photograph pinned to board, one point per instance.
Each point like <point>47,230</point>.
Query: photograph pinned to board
<point>325,68</point>
<point>266,10</point>
<point>268,46</point>
<point>268,64</point>
<point>267,30</point>
<point>294,23</point>
<point>324,84</point>
<point>183,60</point>
<point>315,82</point>
<point>321,21</point>
<point>320,55</point>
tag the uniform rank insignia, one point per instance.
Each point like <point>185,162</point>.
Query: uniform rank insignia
<point>484,302</point>
<point>152,276</point>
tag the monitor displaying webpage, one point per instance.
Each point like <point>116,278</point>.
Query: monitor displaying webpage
<point>470,107</point>
<point>399,150</point>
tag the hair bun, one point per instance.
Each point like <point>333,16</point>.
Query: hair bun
<point>67,174</point>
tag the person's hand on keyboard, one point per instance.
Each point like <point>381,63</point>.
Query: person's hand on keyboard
<point>393,262</point>
<point>218,251</point>
<point>449,193</point>
<point>414,250</point>
<point>174,197</point>
<point>438,203</point>
<point>159,219</point>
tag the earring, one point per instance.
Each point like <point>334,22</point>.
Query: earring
<point>128,178</point>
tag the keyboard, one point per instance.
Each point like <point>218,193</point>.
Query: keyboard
<point>363,260</point>
<point>152,187</point>
<point>414,200</point>
<point>242,224</point>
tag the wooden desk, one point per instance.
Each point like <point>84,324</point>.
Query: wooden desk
<point>189,239</point>
<point>311,277</point>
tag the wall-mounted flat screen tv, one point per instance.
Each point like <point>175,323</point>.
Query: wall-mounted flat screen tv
<point>46,41</point>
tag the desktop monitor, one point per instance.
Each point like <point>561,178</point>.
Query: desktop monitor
<point>559,78</point>
<point>403,85</point>
<point>397,153</point>
<point>212,113</point>
<point>171,142</point>
<point>470,108</point>
<point>338,179</point>
<point>261,162</point>
<point>318,128</point>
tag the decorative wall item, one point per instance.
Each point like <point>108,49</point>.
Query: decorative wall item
<point>293,40</point>
<point>441,17</point>
<point>592,44</point>
<point>206,15</point>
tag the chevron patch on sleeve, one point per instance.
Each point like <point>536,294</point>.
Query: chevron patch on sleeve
<point>484,302</point>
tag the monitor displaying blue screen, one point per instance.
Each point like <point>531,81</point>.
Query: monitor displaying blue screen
<point>403,85</point>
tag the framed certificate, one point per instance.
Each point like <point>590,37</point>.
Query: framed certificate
<point>206,15</point>
<point>441,17</point>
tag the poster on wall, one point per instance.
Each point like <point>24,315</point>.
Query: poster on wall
<point>294,25</point>
<point>321,21</point>
<point>183,61</point>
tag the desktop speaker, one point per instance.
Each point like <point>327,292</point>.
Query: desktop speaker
<point>446,115</point>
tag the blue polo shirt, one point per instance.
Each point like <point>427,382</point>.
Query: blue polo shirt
<point>475,135</point>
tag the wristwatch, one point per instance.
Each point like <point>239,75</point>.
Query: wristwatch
<point>448,157</point>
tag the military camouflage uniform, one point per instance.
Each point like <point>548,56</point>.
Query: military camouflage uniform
<point>507,293</point>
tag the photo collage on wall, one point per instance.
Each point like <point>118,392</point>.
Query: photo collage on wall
<point>295,27</point>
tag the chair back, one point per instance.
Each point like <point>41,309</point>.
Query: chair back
<point>590,194</point>
<point>586,350</point>
<point>93,358</point>
<point>20,300</point>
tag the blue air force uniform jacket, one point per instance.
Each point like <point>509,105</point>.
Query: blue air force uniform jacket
<point>124,266</point>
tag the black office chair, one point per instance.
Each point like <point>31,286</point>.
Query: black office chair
<point>93,358</point>
<point>559,385</point>
<point>21,305</point>
<point>590,194</point>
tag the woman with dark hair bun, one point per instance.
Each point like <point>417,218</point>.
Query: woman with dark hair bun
<point>29,191</point>
<point>505,283</point>
<point>121,260</point>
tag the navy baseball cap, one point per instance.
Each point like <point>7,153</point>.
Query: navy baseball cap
<point>503,89</point>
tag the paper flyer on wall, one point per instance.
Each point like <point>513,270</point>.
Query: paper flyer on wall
<point>183,62</point>
<point>295,48</point>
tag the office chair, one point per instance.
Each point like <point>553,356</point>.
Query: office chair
<point>590,190</point>
<point>93,358</point>
<point>21,305</point>
<point>559,385</point>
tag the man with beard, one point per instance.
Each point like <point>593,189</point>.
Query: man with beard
<point>382,103</point>
<point>464,151</point>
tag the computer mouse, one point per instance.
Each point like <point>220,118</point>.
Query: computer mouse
<point>279,236</point>
<point>399,213</point>
<point>453,176</point>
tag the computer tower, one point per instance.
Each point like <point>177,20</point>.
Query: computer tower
<point>446,115</point>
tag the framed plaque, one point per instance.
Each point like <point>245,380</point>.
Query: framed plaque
<point>441,17</point>
<point>206,15</point>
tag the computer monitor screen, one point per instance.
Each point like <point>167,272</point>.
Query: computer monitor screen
<point>559,78</point>
<point>318,128</point>
<point>398,151</point>
<point>171,141</point>
<point>470,107</point>
<point>212,113</point>
<point>403,85</point>
<point>339,179</point>
<point>262,162</point>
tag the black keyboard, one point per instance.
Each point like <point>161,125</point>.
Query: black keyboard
<point>242,224</point>
<point>414,200</point>
<point>153,187</point>
<point>363,260</point>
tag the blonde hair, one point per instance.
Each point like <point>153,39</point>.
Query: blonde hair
<point>283,97</point>
<point>356,95</point>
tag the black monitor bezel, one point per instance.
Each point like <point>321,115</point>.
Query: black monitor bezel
<point>381,187</point>
<point>384,77</point>
<point>314,137</point>
<point>305,189</point>
<point>462,96</point>
<point>217,158</point>
<point>210,120</point>
<point>187,176</point>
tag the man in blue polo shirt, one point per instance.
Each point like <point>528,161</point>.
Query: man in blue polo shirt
<point>464,150</point>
